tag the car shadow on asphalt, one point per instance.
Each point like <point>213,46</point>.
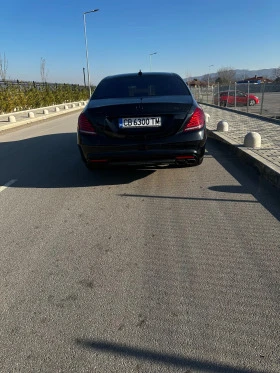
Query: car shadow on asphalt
<point>248,176</point>
<point>152,356</point>
<point>249,179</point>
<point>54,161</point>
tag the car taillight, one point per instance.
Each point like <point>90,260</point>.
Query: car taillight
<point>196,121</point>
<point>85,126</point>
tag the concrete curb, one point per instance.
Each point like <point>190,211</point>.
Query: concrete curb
<point>40,117</point>
<point>265,168</point>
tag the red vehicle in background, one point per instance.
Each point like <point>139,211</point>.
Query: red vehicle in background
<point>228,98</point>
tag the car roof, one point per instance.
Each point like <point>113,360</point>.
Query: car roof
<point>142,73</point>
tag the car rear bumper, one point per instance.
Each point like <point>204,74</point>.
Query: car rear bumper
<point>187,148</point>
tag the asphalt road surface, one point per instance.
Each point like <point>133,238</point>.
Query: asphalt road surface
<point>134,270</point>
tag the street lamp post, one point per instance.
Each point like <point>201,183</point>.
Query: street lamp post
<point>209,73</point>
<point>85,30</point>
<point>84,77</point>
<point>151,54</point>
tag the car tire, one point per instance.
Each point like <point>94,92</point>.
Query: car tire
<point>252,102</point>
<point>200,161</point>
<point>223,103</point>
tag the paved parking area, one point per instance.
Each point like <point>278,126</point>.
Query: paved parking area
<point>269,105</point>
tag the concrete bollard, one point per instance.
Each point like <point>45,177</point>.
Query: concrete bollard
<point>73,105</point>
<point>31,114</point>
<point>222,126</point>
<point>65,107</point>
<point>207,117</point>
<point>57,109</point>
<point>11,119</point>
<point>252,140</point>
<point>45,111</point>
<point>79,104</point>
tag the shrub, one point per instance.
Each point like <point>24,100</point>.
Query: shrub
<point>26,95</point>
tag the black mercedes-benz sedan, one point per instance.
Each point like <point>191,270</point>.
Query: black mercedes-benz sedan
<point>142,118</point>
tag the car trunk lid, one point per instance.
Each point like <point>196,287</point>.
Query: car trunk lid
<point>106,115</point>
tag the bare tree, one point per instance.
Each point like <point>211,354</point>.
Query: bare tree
<point>276,74</point>
<point>204,78</point>
<point>3,67</point>
<point>226,75</point>
<point>43,71</point>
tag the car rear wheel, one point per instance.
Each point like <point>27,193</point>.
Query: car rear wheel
<point>200,160</point>
<point>252,102</point>
<point>223,103</point>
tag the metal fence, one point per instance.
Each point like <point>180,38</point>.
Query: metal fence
<point>38,85</point>
<point>262,99</point>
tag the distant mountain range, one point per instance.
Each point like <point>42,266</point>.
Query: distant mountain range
<point>243,74</point>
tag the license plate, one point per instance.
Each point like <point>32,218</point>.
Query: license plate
<point>140,122</point>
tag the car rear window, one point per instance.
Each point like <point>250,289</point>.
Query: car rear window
<point>140,86</point>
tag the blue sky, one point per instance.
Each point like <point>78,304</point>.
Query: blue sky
<point>187,35</point>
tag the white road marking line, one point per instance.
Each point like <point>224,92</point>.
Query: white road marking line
<point>9,183</point>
